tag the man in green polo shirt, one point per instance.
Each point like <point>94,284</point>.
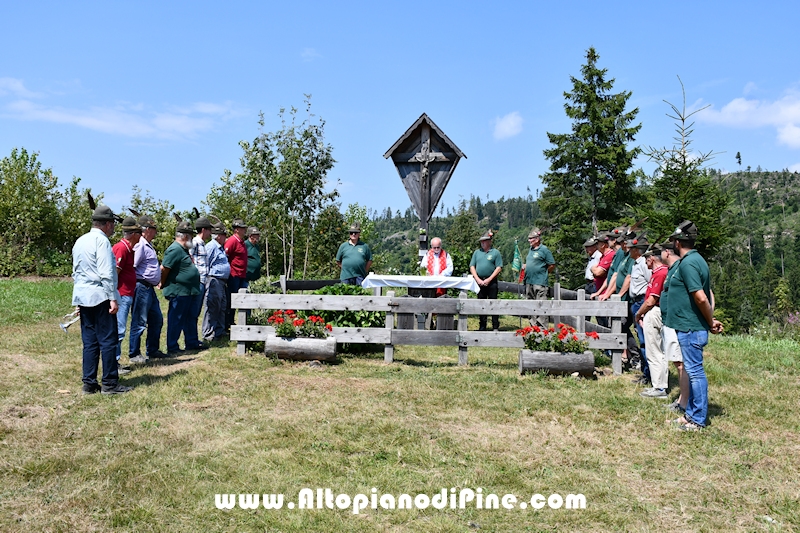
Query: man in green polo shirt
<point>691,314</point>
<point>354,257</point>
<point>485,266</point>
<point>538,264</point>
<point>180,281</point>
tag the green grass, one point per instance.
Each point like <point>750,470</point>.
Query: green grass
<point>153,459</point>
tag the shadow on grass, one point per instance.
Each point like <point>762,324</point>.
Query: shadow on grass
<point>426,364</point>
<point>151,379</point>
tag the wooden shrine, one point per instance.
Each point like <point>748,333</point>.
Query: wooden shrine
<point>425,159</point>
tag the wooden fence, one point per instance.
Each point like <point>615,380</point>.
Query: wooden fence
<point>573,312</point>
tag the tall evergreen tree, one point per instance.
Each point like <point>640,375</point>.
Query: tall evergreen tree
<point>590,178</point>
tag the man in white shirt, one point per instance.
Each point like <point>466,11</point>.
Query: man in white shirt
<point>594,258</point>
<point>437,262</point>
<point>94,271</point>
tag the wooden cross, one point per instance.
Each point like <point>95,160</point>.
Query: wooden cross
<point>425,157</point>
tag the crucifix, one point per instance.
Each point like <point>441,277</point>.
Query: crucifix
<point>425,159</point>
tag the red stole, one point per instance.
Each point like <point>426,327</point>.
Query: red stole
<point>442,267</point>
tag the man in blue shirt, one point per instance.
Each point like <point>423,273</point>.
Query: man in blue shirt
<point>219,270</point>
<point>94,271</point>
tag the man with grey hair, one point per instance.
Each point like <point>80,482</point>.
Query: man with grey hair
<point>95,293</point>
<point>180,280</point>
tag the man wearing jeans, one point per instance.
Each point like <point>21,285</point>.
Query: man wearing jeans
<point>200,260</point>
<point>180,282</point>
<point>219,270</point>
<point>95,293</point>
<point>690,313</point>
<point>123,252</point>
<point>236,251</point>
<point>146,313</point>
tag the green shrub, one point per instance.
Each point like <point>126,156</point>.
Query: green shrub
<point>359,319</point>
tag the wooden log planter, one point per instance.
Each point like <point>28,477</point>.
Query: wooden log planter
<point>301,348</point>
<point>556,363</point>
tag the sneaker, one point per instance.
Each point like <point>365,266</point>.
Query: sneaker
<point>158,355</point>
<point>138,360</point>
<point>689,426</point>
<point>117,389</point>
<point>122,370</point>
<point>675,406</point>
<point>653,393</point>
<point>198,348</point>
<point>91,389</point>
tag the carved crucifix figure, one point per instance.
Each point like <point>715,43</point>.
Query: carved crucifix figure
<point>425,157</point>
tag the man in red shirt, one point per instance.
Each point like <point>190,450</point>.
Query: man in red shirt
<point>126,281</point>
<point>649,317</point>
<point>236,251</point>
<point>600,270</point>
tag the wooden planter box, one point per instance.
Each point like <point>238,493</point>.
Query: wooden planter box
<point>301,348</point>
<point>556,363</point>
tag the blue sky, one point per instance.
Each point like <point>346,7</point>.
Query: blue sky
<point>158,94</point>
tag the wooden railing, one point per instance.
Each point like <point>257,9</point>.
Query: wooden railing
<point>573,312</point>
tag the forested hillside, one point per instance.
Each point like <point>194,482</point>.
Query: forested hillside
<point>755,276</point>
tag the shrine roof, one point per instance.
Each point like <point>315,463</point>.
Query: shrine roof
<point>423,118</point>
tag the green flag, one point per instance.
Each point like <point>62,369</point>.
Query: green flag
<point>516,264</point>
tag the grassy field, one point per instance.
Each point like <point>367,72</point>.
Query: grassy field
<point>153,459</point>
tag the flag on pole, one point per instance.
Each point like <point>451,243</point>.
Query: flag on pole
<point>516,264</point>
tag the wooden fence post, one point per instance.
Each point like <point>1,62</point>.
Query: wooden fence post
<point>388,349</point>
<point>462,326</point>
<point>616,327</point>
<point>580,321</point>
<point>283,283</point>
<point>241,346</point>
<point>556,296</point>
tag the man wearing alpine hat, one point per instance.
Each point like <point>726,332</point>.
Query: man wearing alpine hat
<point>691,314</point>
<point>95,293</point>
<point>180,282</point>
<point>538,264</point>
<point>123,253</point>
<point>354,257</point>
<point>485,267</point>
<point>236,251</point>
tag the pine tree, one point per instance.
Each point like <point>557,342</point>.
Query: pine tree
<point>590,178</point>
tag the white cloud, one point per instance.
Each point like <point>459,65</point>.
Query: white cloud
<point>507,126</point>
<point>795,168</point>
<point>129,120</point>
<point>309,54</point>
<point>15,87</point>
<point>782,114</point>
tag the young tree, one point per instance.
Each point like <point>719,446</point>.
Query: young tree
<point>282,184</point>
<point>590,178</point>
<point>685,190</point>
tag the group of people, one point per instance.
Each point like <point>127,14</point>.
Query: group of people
<point>201,268</point>
<point>667,288</point>
<point>671,305</point>
<point>666,285</point>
